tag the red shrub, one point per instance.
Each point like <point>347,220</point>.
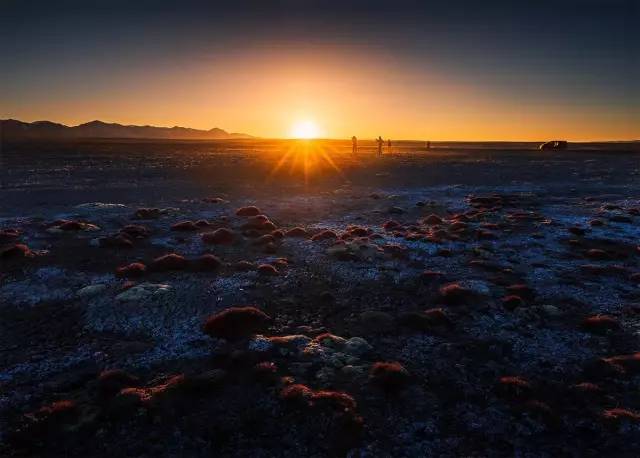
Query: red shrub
<point>626,364</point>
<point>278,234</point>
<point>133,270</point>
<point>207,262</point>
<point>390,376</point>
<point>169,262</point>
<point>267,269</point>
<point>8,235</point>
<point>454,294</point>
<point>265,371</point>
<point>522,290</point>
<point>333,400</point>
<point>514,387</point>
<point>71,226</point>
<point>135,231</point>
<point>432,220</point>
<point>595,253</point>
<point>512,302</point>
<point>184,226</point>
<point>296,232</point>
<point>17,251</point>
<point>431,276</point>
<point>324,235</point>
<point>116,241</point>
<point>297,394</point>
<point>264,239</point>
<point>248,211</point>
<point>618,415</point>
<point>110,382</point>
<point>236,322</point>
<point>222,236</point>
<point>390,225</point>
<point>600,323</point>
<point>244,266</point>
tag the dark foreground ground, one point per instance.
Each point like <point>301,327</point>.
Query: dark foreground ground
<point>501,283</point>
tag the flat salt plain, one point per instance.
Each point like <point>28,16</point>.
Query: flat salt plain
<point>560,230</point>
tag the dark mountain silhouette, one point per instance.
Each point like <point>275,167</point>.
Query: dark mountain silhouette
<point>14,130</point>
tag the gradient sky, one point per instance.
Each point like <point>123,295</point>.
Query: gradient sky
<point>439,70</point>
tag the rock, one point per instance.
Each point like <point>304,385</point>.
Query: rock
<point>143,291</point>
<point>356,346</point>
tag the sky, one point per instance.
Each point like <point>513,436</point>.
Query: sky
<point>437,70</point>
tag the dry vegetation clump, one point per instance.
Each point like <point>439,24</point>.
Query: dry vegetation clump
<point>17,251</point>
<point>455,294</point>
<point>248,211</point>
<point>236,322</point>
<point>206,263</point>
<point>391,225</point>
<point>600,324</point>
<point>169,262</point>
<point>222,236</point>
<point>185,226</point>
<point>267,270</point>
<point>514,387</point>
<point>296,232</point>
<point>324,235</point>
<point>244,266</point>
<point>512,302</point>
<point>133,270</point>
<point>619,415</point>
<point>391,377</point>
<point>266,372</point>
<point>9,235</point>
<point>110,382</point>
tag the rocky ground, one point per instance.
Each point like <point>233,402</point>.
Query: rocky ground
<point>197,299</point>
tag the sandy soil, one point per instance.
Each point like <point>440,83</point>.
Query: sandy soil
<point>502,280</point>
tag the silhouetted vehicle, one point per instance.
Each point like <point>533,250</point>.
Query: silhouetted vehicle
<point>554,144</point>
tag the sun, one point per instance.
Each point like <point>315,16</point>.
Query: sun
<point>305,129</point>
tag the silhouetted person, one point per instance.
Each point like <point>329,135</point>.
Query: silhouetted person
<point>428,145</point>
<point>354,144</point>
<point>389,145</point>
<point>380,142</point>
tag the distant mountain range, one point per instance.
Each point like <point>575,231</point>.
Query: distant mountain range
<point>13,130</point>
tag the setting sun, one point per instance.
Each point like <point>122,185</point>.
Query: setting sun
<point>305,129</point>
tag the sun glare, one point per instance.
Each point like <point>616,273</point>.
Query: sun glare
<point>305,129</point>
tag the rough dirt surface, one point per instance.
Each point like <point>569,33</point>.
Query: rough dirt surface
<point>470,300</point>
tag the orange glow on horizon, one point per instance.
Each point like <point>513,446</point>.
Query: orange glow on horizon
<point>264,93</point>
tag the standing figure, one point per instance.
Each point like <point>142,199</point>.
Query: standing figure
<point>389,145</point>
<point>380,142</point>
<point>354,145</point>
<point>428,144</point>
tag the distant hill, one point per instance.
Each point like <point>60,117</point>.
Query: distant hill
<point>13,130</point>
